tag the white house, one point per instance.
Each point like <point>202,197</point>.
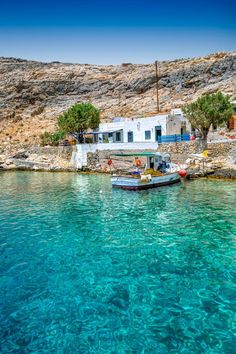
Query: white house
<point>131,134</point>
<point>142,130</point>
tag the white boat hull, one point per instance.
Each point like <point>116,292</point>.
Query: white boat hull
<point>132,183</point>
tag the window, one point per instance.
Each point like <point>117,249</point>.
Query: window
<point>118,136</point>
<point>130,137</point>
<point>147,134</point>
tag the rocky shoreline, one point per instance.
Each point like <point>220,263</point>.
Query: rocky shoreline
<point>220,162</point>
<point>227,174</point>
<point>224,173</point>
<point>197,167</point>
<point>37,158</point>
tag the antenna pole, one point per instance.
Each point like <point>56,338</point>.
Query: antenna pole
<point>157,87</point>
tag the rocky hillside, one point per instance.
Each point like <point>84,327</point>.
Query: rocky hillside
<point>32,94</point>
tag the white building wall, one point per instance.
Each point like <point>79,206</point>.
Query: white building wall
<point>138,126</point>
<point>79,156</point>
<point>173,126</point>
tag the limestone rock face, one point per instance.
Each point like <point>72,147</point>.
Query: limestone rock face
<point>33,94</point>
<point>46,158</point>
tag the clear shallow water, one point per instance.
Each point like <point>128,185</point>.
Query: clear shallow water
<point>88,269</point>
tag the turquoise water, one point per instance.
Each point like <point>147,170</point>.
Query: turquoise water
<point>88,269</point>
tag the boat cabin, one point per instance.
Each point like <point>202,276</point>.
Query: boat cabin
<point>155,161</point>
<point>158,161</point>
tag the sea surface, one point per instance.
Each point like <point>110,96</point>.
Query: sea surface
<point>88,269</point>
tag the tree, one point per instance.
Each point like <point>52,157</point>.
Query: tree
<point>79,118</point>
<point>210,109</point>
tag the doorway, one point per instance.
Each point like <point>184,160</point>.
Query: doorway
<point>157,132</point>
<point>183,130</point>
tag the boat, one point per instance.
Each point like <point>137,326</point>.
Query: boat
<point>158,171</point>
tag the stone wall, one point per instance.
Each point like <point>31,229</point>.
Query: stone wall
<point>222,149</point>
<point>98,161</point>
<point>61,158</point>
<point>80,155</point>
<point>64,152</point>
<point>180,152</point>
<point>187,147</point>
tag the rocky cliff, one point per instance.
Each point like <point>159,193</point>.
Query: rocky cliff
<point>32,94</point>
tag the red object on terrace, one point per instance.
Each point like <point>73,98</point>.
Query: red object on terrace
<point>183,173</point>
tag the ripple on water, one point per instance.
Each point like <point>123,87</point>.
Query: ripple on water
<point>83,271</point>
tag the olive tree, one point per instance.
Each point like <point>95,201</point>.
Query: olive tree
<point>210,109</point>
<point>79,118</point>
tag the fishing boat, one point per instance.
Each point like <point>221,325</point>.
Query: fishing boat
<point>157,171</point>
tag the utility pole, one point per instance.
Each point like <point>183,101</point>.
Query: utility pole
<point>119,99</point>
<point>157,87</point>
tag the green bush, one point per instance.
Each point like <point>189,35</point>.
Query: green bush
<point>45,139</point>
<point>56,137</point>
<point>52,139</point>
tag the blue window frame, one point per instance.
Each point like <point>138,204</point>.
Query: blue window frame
<point>147,134</point>
<point>130,136</point>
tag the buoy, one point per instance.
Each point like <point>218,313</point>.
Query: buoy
<point>182,173</point>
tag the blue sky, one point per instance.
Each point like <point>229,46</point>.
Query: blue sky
<point>112,32</point>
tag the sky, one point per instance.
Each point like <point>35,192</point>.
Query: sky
<point>113,32</point>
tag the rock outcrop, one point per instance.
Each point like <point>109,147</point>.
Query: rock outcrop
<point>46,158</point>
<point>33,94</point>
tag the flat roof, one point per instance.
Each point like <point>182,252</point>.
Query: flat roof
<point>145,153</point>
<point>102,132</point>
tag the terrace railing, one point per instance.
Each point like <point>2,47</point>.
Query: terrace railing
<point>173,138</point>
